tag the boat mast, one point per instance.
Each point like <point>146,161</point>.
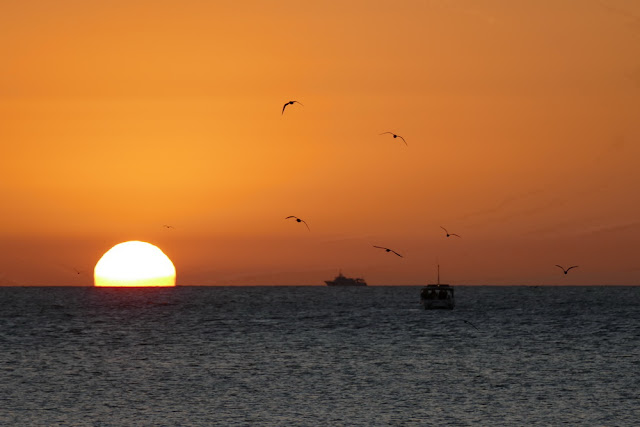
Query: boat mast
<point>438,274</point>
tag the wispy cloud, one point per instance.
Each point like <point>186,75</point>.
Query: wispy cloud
<point>632,20</point>
<point>507,202</point>
<point>611,228</point>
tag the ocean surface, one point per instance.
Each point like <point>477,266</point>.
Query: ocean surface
<point>319,356</point>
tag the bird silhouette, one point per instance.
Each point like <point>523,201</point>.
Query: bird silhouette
<point>469,323</point>
<point>299,220</point>
<point>396,136</point>
<point>449,234</point>
<point>388,250</point>
<point>567,270</point>
<point>290,103</point>
<point>169,227</point>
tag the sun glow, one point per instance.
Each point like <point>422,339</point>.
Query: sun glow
<point>134,264</point>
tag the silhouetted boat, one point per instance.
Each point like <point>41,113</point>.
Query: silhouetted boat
<point>438,295</point>
<point>341,280</point>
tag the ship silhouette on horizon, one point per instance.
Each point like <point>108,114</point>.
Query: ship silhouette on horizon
<point>342,280</point>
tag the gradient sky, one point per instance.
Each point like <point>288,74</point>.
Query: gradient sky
<point>521,117</point>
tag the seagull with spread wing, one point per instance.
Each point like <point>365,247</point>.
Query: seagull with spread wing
<point>567,270</point>
<point>388,250</point>
<point>449,234</point>
<point>290,103</point>
<point>469,323</point>
<point>299,220</point>
<point>396,136</point>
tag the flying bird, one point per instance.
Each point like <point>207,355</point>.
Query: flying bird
<point>449,234</point>
<point>388,250</point>
<point>169,227</point>
<point>567,270</point>
<point>396,136</point>
<point>290,103</point>
<point>469,323</point>
<point>299,220</point>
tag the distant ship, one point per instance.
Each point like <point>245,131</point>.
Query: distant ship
<point>341,280</point>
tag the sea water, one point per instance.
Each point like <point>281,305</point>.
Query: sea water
<point>319,356</point>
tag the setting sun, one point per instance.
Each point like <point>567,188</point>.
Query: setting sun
<point>134,264</point>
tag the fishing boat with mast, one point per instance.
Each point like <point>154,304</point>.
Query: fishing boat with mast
<point>437,295</point>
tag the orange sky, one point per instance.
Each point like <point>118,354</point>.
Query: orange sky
<point>521,119</point>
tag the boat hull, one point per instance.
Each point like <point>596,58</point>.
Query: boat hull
<point>438,304</point>
<point>350,285</point>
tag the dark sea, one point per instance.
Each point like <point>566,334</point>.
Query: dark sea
<point>319,356</point>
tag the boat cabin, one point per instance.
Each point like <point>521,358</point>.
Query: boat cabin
<point>437,296</point>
